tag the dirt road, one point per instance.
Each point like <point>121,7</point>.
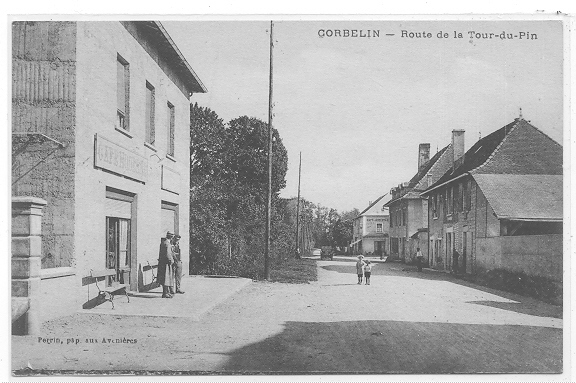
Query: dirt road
<point>404,322</point>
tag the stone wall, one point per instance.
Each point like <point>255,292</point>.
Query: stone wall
<point>43,102</point>
<point>26,252</point>
<point>536,255</point>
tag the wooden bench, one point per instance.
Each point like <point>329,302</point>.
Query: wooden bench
<point>151,268</point>
<point>107,293</point>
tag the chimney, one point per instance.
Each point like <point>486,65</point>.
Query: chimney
<point>423,155</point>
<point>458,147</point>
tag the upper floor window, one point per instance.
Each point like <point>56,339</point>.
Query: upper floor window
<point>463,197</point>
<point>458,198</point>
<point>150,112</point>
<point>468,196</point>
<point>378,228</point>
<point>449,200</point>
<point>434,206</point>
<point>171,120</point>
<point>122,93</point>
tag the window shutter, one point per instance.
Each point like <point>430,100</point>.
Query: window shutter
<point>120,87</point>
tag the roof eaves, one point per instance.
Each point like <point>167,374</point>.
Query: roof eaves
<point>427,191</point>
<point>372,204</point>
<point>531,219</point>
<point>201,88</point>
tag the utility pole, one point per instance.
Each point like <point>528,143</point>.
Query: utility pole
<point>269,199</point>
<point>298,211</point>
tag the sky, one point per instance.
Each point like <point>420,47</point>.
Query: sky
<point>357,108</point>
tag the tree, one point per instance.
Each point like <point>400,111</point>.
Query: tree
<point>342,233</point>
<point>228,178</point>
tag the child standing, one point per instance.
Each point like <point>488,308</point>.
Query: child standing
<point>360,268</point>
<point>368,271</point>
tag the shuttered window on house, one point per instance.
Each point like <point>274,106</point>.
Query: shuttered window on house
<point>171,122</point>
<point>122,93</point>
<point>150,112</point>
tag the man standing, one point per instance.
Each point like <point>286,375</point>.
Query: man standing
<point>455,256</point>
<point>165,266</point>
<point>177,263</point>
<point>419,259</point>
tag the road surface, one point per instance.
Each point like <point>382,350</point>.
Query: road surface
<point>404,322</point>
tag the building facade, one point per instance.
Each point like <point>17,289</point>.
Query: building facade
<point>100,121</point>
<point>500,206</point>
<point>409,210</point>
<point>370,230</point>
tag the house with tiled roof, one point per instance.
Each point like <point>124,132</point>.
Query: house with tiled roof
<point>409,210</point>
<point>499,206</point>
<point>370,229</point>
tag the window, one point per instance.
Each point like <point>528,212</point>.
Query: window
<point>458,198</point>
<point>378,228</point>
<point>468,196</point>
<point>168,218</point>
<point>434,206</point>
<point>122,93</point>
<point>449,201</point>
<point>171,119</point>
<point>403,217</point>
<point>149,119</point>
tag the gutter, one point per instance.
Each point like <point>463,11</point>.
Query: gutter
<point>532,219</point>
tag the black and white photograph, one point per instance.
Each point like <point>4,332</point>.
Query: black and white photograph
<point>289,196</point>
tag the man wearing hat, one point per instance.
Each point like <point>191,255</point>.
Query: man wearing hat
<point>165,266</point>
<point>177,263</point>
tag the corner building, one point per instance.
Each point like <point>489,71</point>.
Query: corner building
<point>100,121</point>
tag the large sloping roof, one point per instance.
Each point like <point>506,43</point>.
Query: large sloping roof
<point>372,204</point>
<point>517,148</point>
<point>528,197</point>
<point>477,154</point>
<point>525,150</point>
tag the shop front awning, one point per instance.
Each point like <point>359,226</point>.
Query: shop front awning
<point>353,243</point>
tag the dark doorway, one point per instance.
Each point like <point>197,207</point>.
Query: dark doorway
<point>118,255</point>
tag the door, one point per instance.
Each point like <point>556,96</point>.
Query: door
<point>464,252</point>
<point>469,252</point>
<point>448,259</point>
<point>118,250</point>
<point>378,248</point>
<point>431,253</point>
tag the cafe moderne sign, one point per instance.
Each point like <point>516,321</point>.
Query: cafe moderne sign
<point>113,157</point>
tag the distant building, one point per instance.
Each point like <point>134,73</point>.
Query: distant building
<point>409,210</point>
<point>100,124</point>
<point>500,205</point>
<point>370,230</point>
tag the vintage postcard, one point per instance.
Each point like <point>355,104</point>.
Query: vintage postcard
<point>297,196</point>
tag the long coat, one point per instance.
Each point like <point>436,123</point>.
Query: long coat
<point>165,261</point>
